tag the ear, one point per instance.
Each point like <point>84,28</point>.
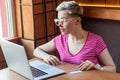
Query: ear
<point>78,20</point>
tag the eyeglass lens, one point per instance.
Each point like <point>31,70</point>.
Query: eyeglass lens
<point>59,22</point>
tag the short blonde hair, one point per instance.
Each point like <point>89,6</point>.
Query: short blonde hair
<point>72,6</point>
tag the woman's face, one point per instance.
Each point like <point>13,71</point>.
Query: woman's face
<point>65,22</point>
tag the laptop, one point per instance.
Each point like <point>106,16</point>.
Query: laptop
<point>17,61</point>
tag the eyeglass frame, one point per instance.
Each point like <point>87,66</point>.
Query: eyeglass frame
<point>63,21</point>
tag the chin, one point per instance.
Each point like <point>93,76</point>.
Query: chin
<point>63,33</point>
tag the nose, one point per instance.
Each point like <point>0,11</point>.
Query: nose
<point>60,24</point>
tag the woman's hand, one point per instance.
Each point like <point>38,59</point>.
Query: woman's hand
<point>87,65</point>
<point>51,59</point>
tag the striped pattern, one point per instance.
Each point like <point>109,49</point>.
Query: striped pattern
<point>93,46</point>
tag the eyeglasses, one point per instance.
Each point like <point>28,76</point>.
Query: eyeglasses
<point>61,22</point>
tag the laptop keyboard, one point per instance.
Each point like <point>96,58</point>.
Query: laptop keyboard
<point>36,72</point>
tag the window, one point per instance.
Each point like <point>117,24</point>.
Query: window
<point>7,24</point>
<point>0,26</point>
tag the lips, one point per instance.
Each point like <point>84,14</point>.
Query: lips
<point>61,30</point>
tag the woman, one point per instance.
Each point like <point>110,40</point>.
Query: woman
<point>74,44</point>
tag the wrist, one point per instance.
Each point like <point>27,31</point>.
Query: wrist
<point>99,67</point>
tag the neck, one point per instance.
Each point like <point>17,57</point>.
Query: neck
<point>78,34</point>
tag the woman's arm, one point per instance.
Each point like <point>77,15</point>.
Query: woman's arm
<point>107,62</point>
<point>105,59</point>
<point>43,50</point>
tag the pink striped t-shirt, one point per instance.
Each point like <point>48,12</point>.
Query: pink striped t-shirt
<point>92,48</point>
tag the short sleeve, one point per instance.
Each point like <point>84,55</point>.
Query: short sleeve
<point>56,41</point>
<point>60,41</point>
<point>100,45</point>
